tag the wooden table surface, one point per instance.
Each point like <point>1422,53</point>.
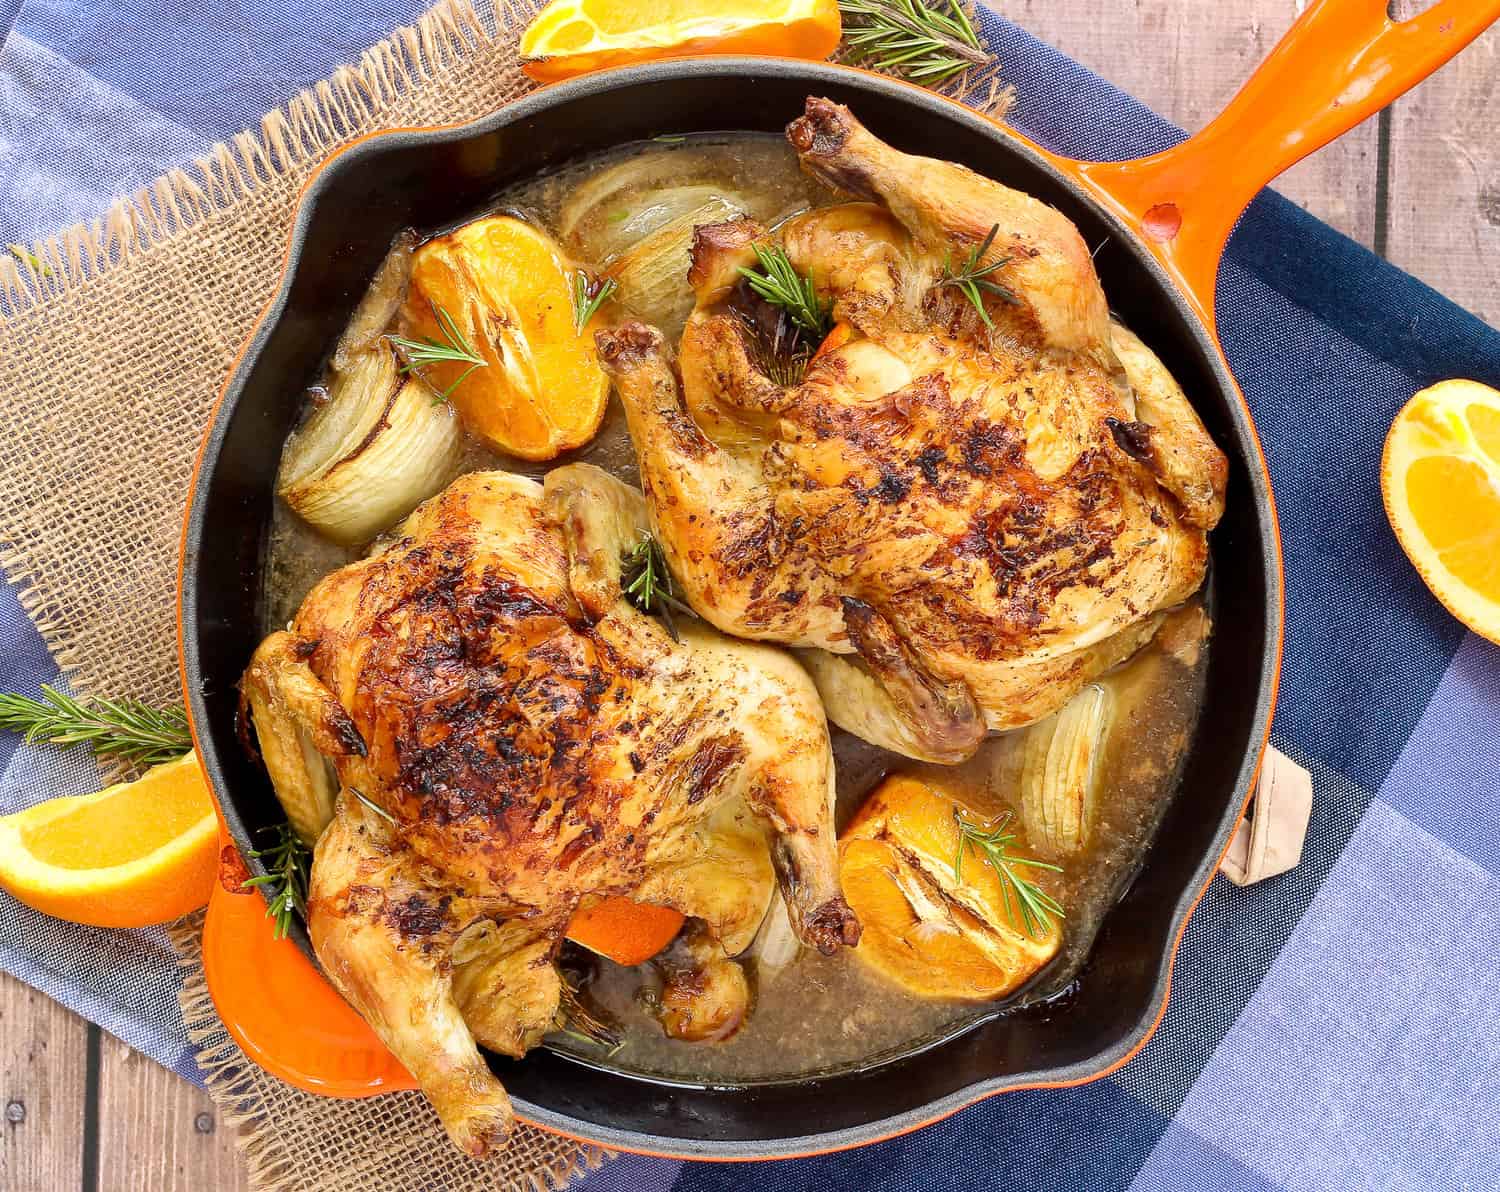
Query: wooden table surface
<point>1419,184</point>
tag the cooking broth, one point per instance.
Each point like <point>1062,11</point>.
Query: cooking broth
<point>822,1014</point>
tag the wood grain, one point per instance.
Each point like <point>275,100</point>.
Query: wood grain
<point>157,1131</point>
<point>43,1086</point>
<point>1186,60</point>
<point>1445,180</point>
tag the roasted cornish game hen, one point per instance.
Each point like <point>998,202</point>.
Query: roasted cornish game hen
<point>511,738</point>
<point>963,517</point>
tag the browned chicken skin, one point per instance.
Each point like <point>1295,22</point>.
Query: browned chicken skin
<point>511,737</point>
<point>961,525</point>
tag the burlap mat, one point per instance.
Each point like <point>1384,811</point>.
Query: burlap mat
<point>113,345</point>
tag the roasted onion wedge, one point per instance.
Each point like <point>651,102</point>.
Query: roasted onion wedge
<point>653,272</point>
<point>380,446</point>
<point>1060,772</point>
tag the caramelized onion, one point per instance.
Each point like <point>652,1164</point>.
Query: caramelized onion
<point>653,273</point>
<point>380,446</point>
<point>1060,772</point>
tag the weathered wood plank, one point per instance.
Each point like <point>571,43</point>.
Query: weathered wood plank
<point>1186,60</point>
<point>157,1132</point>
<point>43,1065</point>
<point>1445,180</point>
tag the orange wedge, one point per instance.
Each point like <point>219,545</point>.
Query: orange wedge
<point>932,931</point>
<point>135,854</point>
<point>508,291</point>
<point>570,37</point>
<point>1440,477</point>
<point>624,931</point>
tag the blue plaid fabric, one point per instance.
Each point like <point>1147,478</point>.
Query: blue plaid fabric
<point>1336,1027</point>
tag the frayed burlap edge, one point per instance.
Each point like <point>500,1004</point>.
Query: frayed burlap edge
<point>321,118</point>
<point>271,1120</point>
<point>317,120</point>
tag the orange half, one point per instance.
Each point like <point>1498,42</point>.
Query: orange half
<point>1440,479</point>
<point>131,855</point>
<point>571,37</point>
<point>508,289</point>
<point>935,928</point>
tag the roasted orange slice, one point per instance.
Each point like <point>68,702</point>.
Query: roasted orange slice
<point>624,931</point>
<point>570,37</point>
<point>496,298</point>
<point>938,924</point>
<point>131,855</point>
<point>1440,477</point>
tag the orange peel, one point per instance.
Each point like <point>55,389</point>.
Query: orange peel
<point>572,37</point>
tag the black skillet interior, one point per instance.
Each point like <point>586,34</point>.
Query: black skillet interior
<point>428,180</point>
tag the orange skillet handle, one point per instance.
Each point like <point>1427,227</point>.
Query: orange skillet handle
<point>1341,61</point>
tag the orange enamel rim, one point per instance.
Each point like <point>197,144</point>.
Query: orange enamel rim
<point>1327,30</point>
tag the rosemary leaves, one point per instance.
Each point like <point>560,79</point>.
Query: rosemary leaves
<point>452,348</point>
<point>974,279</point>
<point>779,283</point>
<point>582,1022</point>
<point>589,294</point>
<point>647,583</point>
<point>288,863</point>
<point>1027,905</point>
<point>126,729</point>
<point>926,43</point>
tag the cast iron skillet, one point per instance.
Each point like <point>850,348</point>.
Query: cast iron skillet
<point>433,178</point>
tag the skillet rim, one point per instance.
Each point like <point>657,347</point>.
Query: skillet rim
<point>1203,341</point>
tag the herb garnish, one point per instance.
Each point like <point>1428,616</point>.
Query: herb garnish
<point>780,284</point>
<point>973,279</point>
<point>288,863</point>
<point>928,43</point>
<point>125,729</point>
<point>454,348</point>
<point>782,354</point>
<point>647,582</point>
<point>589,294</point>
<point>993,845</point>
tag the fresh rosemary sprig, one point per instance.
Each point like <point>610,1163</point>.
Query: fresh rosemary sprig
<point>125,729</point>
<point>780,284</point>
<point>927,43</point>
<point>589,294</point>
<point>453,348</point>
<point>972,279</point>
<point>647,582</point>
<point>289,863</point>
<point>1021,895</point>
